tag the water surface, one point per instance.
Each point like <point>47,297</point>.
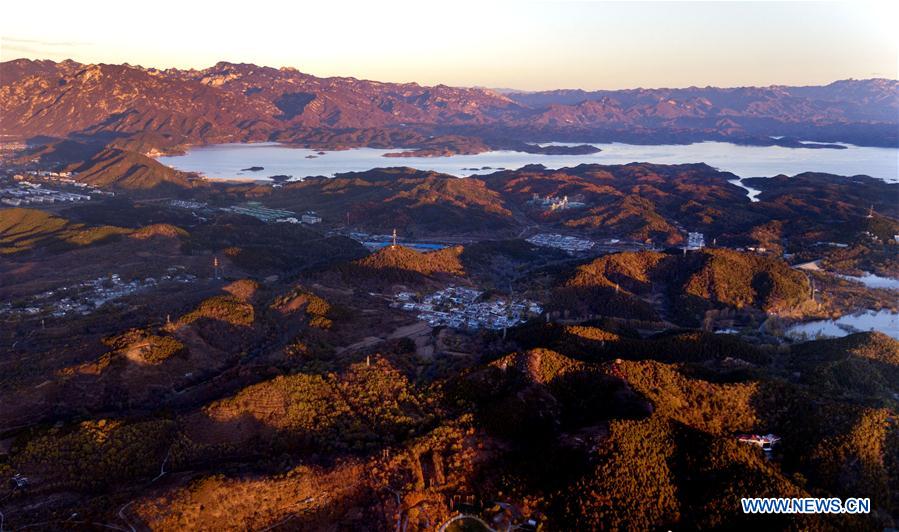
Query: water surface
<point>873,281</point>
<point>228,160</point>
<point>883,321</point>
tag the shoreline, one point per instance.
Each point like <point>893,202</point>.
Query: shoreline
<point>748,161</point>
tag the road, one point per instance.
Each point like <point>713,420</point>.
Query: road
<point>459,517</point>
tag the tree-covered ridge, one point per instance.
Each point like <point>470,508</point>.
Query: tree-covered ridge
<point>315,308</point>
<point>96,454</point>
<point>399,261</point>
<point>413,202</point>
<point>145,346</point>
<point>641,284</point>
<point>632,271</point>
<point>635,443</point>
<point>271,376</point>
<point>114,168</point>
<point>228,309</point>
<point>861,366</point>
<point>365,407</point>
<point>746,279</point>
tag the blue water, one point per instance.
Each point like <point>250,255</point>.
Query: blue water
<point>883,321</point>
<point>227,160</point>
<point>874,281</point>
<point>414,245</point>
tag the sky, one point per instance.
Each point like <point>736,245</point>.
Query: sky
<point>521,45</point>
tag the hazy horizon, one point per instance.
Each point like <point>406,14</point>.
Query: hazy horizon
<point>497,89</point>
<point>525,47</point>
<point>374,296</point>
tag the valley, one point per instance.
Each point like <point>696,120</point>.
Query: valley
<point>272,373</point>
<point>250,298</point>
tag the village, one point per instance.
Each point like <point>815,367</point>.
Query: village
<point>569,244</point>
<point>87,296</point>
<point>460,308</point>
<point>37,178</point>
<point>555,203</point>
<point>27,193</point>
<point>255,210</point>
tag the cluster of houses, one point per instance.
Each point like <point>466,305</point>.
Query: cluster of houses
<point>570,244</point>
<point>27,193</point>
<point>555,203</point>
<point>61,178</point>
<point>877,240</point>
<point>12,146</point>
<point>256,210</point>
<point>308,217</point>
<point>459,307</point>
<point>87,296</point>
<point>187,204</point>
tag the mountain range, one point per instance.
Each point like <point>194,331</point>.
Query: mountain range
<point>151,111</point>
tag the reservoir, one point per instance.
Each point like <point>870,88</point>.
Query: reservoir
<point>884,321</point>
<point>874,281</point>
<point>229,161</point>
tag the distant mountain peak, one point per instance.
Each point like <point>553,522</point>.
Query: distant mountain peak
<point>230,102</point>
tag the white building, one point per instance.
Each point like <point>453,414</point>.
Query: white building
<point>311,218</point>
<point>695,241</point>
<point>567,243</point>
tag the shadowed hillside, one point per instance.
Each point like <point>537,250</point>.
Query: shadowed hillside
<point>860,366</point>
<point>259,247</point>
